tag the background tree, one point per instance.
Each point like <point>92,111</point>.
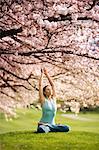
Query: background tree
<point>62,35</point>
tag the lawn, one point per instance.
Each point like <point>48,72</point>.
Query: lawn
<point>18,134</point>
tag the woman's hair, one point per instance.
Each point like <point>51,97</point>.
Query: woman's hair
<point>44,88</point>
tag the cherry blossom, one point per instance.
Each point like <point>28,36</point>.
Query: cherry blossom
<point>62,35</point>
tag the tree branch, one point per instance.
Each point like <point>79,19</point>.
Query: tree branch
<point>92,5</point>
<point>6,82</point>
<point>7,95</point>
<point>69,18</point>
<point>48,51</point>
<point>4,33</point>
<point>87,18</point>
<point>61,18</point>
<point>9,72</point>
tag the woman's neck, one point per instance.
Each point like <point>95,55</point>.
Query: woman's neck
<point>48,97</point>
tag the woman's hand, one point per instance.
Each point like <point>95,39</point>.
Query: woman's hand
<point>45,71</point>
<point>42,71</point>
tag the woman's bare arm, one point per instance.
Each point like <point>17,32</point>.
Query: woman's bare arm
<point>41,96</point>
<point>51,82</point>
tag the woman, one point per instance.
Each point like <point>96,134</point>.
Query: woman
<point>47,98</point>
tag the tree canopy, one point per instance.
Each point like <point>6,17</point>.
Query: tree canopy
<point>62,35</point>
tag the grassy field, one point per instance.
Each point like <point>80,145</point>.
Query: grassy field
<point>18,134</point>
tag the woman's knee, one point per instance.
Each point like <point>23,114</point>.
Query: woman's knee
<point>43,129</point>
<point>40,130</point>
<point>66,128</point>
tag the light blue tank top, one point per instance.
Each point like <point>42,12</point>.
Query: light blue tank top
<point>49,109</point>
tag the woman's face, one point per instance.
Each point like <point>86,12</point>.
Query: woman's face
<point>47,91</point>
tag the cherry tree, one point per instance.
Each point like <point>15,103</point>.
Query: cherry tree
<point>62,35</point>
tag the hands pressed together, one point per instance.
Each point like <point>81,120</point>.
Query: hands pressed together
<point>44,71</point>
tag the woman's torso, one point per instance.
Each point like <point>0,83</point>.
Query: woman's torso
<point>49,109</point>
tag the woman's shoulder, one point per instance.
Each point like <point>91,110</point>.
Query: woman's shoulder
<point>53,98</point>
<point>44,102</point>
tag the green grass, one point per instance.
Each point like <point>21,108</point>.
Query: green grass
<point>18,134</point>
<point>26,120</point>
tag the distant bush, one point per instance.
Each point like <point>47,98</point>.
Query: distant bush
<point>90,108</point>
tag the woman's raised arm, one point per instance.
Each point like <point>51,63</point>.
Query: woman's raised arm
<point>41,96</point>
<point>51,82</point>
